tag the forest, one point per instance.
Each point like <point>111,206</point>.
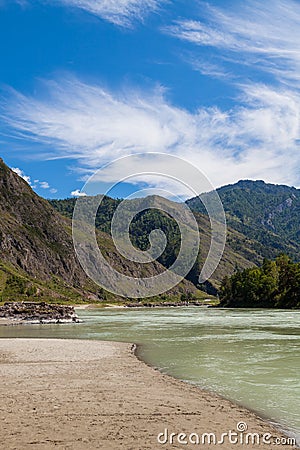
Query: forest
<point>276,284</point>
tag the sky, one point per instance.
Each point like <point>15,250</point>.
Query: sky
<point>83,82</point>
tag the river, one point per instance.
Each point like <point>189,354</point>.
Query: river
<point>249,356</point>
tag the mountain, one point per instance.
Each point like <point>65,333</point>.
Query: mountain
<point>37,257</point>
<point>267,214</point>
<point>240,251</point>
<point>263,222</point>
<point>38,261</point>
<point>36,250</point>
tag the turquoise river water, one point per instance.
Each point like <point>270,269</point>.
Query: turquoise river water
<point>249,356</point>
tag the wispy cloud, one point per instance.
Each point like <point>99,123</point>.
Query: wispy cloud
<point>119,12</point>
<point>44,185</point>
<point>265,35</point>
<point>259,139</point>
<point>211,69</point>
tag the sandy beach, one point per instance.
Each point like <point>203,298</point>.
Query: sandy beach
<point>71,394</point>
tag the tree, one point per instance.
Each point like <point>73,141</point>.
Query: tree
<point>276,284</point>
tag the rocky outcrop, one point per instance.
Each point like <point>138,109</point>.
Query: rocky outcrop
<point>38,312</point>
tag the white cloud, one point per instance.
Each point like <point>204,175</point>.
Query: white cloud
<point>264,35</point>
<point>77,193</point>
<point>21,174</point>
<point>119,12</point>
<point>37,183</point>
<point>258,139</point>
<point>44,185</point>
<point>208,68</point>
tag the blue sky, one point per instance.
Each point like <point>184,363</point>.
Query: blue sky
<point>83,82</point>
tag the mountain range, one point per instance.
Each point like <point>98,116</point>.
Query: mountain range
<point>263,222</point>
<point>38,261</point>
<point>37,256</point>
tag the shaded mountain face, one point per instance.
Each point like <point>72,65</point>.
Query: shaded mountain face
<point>265,213</point>
<point>37,256</point>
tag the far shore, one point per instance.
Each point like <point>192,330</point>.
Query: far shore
<point>203,304</point>
<point>78,394</point>
<point>98,306</point>
<point>15,320</point>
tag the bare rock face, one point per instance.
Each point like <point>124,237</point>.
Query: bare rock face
<point>33,236</point>
<point>38,312</point>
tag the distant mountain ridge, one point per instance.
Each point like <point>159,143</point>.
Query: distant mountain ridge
<point>266,213</point>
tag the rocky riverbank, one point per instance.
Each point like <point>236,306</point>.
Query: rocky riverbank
<point>40,313</point>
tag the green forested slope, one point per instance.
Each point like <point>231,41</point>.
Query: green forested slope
<point>267,214</point>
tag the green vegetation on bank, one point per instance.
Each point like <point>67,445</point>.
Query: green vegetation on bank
<point>17,285</point>
<point>276,284</point>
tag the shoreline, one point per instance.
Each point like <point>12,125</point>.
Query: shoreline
<point>81,394</point>
<point>278,426</point>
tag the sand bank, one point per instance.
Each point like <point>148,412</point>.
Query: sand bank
<point>71,394</point>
